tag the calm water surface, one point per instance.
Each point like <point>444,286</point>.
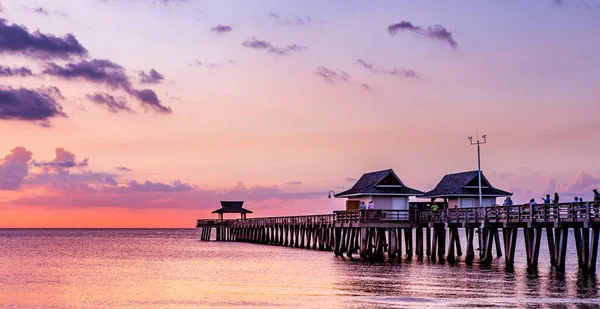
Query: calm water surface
<point>170,268</point>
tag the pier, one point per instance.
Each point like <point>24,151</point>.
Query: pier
<point>373,234</point>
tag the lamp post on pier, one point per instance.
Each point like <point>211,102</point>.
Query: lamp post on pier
<point>330,193</point>
<point>478,143</point>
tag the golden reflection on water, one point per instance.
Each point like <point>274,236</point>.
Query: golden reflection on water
<point>172,269</point>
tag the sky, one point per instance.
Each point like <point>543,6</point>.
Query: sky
<point>147,113</point>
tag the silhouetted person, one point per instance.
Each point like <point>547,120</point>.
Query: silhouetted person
<point>555,200</point>
<point>371,205</point>
<point>596,195</point>
<point>533,204</point>
<point>547,199</point>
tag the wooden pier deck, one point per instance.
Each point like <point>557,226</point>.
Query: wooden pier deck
<point>379,233</point>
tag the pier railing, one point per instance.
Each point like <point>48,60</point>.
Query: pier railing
<point>264,221</point>
<point>374,216</point>
<point>540,213</point>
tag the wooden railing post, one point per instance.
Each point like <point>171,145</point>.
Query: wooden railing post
<point>587,211</point>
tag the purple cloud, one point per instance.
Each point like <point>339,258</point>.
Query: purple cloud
<point>149,99</point>
<point>221,28</point>
<point>294,183</point>
<point>15,71</point>
<point>62,159</point>
<point>15,39</point>
<point>30,105</point>
<point>367,66</point>
<point>112,104</point>
<point>394,72</point>
<point>14,168</point>
<point>152,77</point>
<point>149,186</point>
<point>435,32</point>
<point>96,71</point>
<point>404,73</point>
<point>108,73</point>
<point>255,43</point>
<point>123,169</point>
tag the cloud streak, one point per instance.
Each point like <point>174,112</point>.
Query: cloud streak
<point>17,40</point>
<point>255,43</point>
<point>152,77</point>
<point>291,21</point>
<point>100,71</point>
<point>435,32</point>
<point>112,104</point>
<point>393,72</point>
<point>36,105</point>
<point>15,71</point>
<point>333,77</point>
<point>221,29</point>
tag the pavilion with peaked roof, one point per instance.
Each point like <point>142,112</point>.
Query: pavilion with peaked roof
<point>232,207</point>
<point>384,188</point>
<point>462,190</point>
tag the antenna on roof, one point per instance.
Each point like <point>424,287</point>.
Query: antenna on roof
<point>478,143</point>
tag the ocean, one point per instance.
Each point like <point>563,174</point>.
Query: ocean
<point>171,268</point>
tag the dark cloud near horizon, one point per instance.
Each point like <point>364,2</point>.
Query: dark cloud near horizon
<point>221,28</point>
<point>294,183</point>
<point>62,159</point>
<point>435,32</point>
<point>394,72</point>
<point>123,169</point>
<point>70,183</point>
<point>112,104</point>
<point>14,168</point>
<point>294,21</point>
<point>15,71</point>
<point>100,71</point>
<point>17,40</point>
<point>255,43</point>
<point>152,77</point>
<point>36,105</point>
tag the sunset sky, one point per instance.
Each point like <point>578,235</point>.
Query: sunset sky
<point>146,113</point>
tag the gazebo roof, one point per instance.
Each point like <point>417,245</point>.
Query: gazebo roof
<point>384,182</point>
<point>465,184</point>
<point>230,207</point>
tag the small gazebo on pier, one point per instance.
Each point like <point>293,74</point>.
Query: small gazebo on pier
<point>232,207</point>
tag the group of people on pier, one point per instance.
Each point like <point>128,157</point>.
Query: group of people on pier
<point>508,201</point>
<point>370,206</point>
